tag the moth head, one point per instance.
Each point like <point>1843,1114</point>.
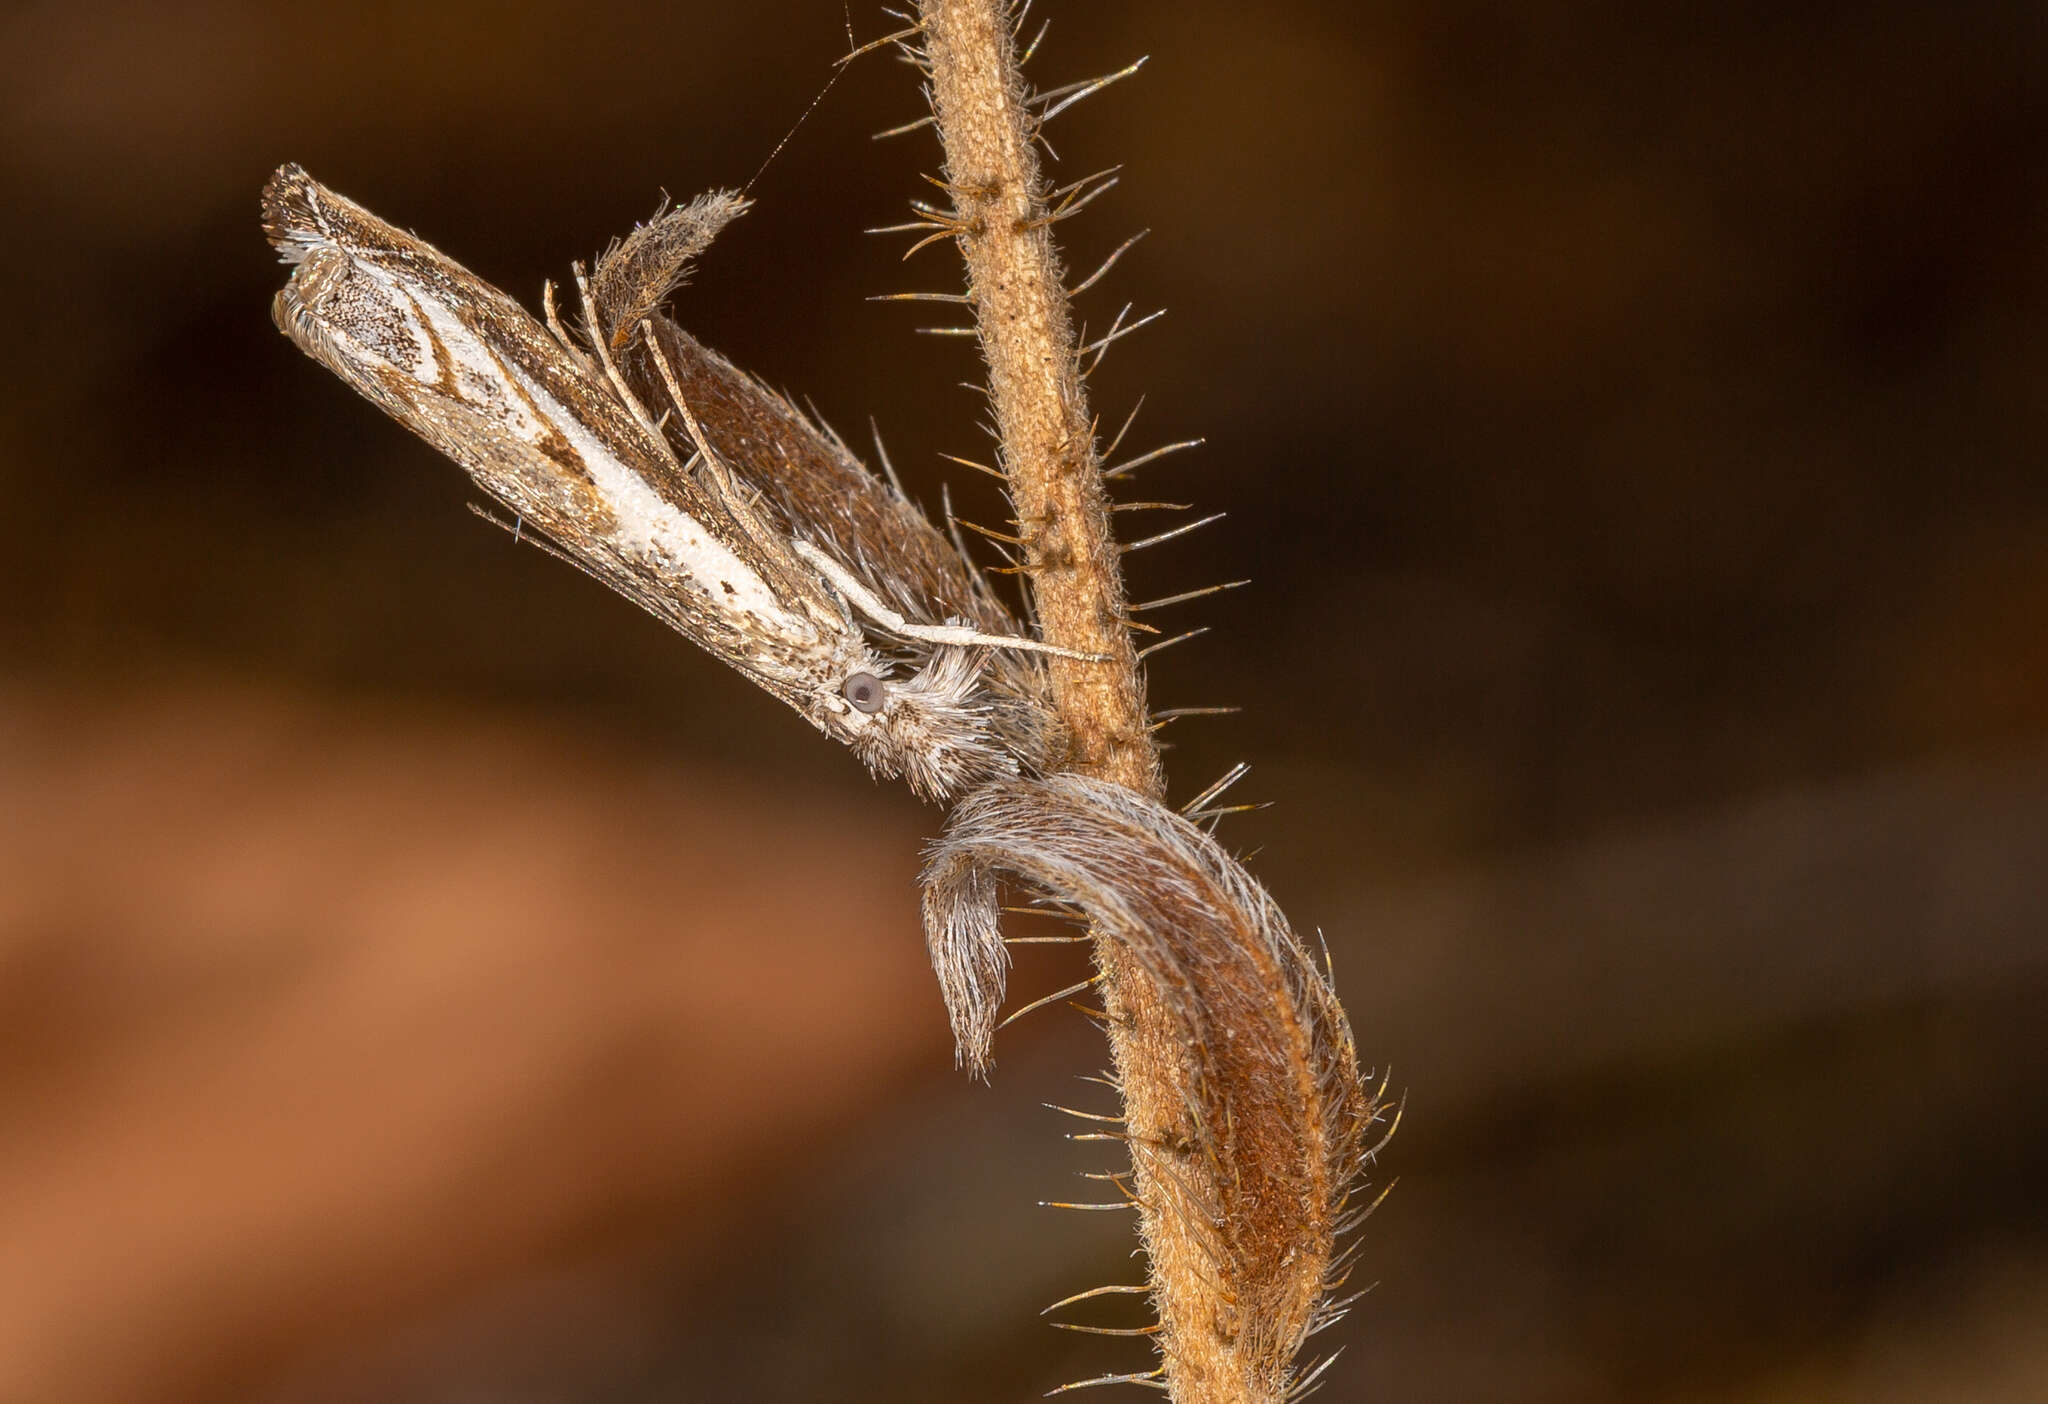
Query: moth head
<point>931,727</point>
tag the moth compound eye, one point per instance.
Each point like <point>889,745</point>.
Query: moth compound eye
<point>864,691</point>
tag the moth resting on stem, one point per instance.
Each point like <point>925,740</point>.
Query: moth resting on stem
<point>656,467</point>
<point>913,669</point>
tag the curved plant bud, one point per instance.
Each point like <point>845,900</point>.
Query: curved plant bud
<point>1252,1161</point>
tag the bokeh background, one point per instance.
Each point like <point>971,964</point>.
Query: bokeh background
<point>423,979</point>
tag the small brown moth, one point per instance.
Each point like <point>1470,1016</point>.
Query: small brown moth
<point>558,434</point>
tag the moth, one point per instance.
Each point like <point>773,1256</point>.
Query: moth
<point>916,672</point>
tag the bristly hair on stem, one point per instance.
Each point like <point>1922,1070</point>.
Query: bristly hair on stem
<point>1260,1167</point>
<point>694,491</point>
<point>1244,1111</point>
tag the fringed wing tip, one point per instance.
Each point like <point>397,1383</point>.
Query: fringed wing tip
<point>292,220</point>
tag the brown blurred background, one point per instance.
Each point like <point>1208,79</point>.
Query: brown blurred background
<point>423,979</point>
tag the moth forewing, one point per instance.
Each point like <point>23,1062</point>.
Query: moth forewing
<point>827,502</point>
<point>469,371</point>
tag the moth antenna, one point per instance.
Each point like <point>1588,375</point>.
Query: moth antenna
<point>1187,595</point>
<point>1149,649</point>
<point>838,68</point>
<point>1142,459</point>
<point>1181,530</point>
<point>1104,267</point>
<point>1071,93</point>
<point>1225,781</point>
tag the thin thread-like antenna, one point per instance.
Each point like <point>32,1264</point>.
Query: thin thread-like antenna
<point>837,69</point>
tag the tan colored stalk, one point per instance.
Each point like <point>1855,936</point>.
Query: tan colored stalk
<point>1050,458</point>
<point>1034,381</point>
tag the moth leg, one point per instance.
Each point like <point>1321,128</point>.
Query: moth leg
<point>720,474</point>
<point>554,319</point>
<point>611,370</point>
<point>722,481</point>
<point>863,599</point>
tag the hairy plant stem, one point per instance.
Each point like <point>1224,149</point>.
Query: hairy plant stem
<point>1050,458</point>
